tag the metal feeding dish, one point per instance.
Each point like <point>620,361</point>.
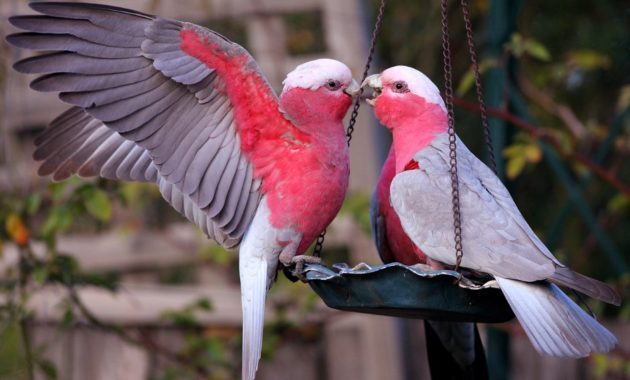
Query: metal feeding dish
<point>411,292</point>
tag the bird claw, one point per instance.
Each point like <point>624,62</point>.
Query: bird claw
<point>295,270</point>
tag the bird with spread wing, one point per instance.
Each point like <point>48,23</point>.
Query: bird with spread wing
<point>169,102</point>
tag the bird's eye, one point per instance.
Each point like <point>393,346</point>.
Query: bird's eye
<point>333,85</point>
<point>400,86</point>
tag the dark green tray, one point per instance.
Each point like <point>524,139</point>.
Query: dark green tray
<point>398,290</point>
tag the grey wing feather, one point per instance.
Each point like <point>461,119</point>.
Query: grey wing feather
<point>495,235</point>
<point>106,153</point>
<point>152,112</point>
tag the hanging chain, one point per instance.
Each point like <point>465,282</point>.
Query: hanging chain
<point>319,244</point>
<point>448,97</point>
<point>475,67</point>
<point>317,251</point>
<point>357,103</point>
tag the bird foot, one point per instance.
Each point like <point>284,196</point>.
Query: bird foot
<point>296,266</point>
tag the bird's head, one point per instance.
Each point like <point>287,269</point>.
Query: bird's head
<point>318,90</point>
<point>402,95</point>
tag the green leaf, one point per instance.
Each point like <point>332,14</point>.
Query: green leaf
<point>536,50</point>
<point>105,281</point>
<point>182,318</point>
<point>515,166</point>
<point>588,60</point>
<point>68,318</point>
<point>516,45</point>
<point>203,304</point>
<point>513,151</point>
<point>98,205</point>
<point>465,83</point>
<point>217,254</point>
<point>56,190</point>
<point>619,204</point>
<point>532,153</point>
<point>59,220</point>
<point>48,368</point>
<point>468,80</point>
<point>40,274</point>
<point>32,203</point>
<point>600,365</point>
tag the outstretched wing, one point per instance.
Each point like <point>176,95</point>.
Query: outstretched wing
<point>156,100</point>
<point>496,237</point>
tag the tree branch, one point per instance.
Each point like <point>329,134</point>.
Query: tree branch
<point>146,343</point>
<point>563,112</point>
<point>540,133</point>
<point>23,317</point>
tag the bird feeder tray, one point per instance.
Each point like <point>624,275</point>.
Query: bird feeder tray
<point>411,292</point>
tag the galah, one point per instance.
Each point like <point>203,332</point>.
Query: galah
<point>496,238</point>
<point>461,357</point>
<point>170,102</point>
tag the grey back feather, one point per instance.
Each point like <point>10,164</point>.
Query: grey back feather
<point>496,237</point>
<point>145,110</point>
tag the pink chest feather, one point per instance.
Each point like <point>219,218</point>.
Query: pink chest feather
<point>303,167</point>
<point>398,247</point>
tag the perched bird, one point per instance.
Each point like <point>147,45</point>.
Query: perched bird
<point>170,102</point>
<point>497,239</point>
<point>454,348</point>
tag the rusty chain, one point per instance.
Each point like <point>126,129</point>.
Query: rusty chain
<point>317,251</point>
<point>475,67</point>
<point>368,63</point>
<point>452,138</point>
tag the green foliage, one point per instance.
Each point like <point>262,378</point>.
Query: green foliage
<point>468,79</point>
<point>97,204</point>
<point>187,317</point>
<point>569,61</point>
<point>48,369</point>
<point>619,204</point>
<point>520,46</point>
<point>357,206</point>
<point>217,255</point>
<point>518,155</point>
<point>606,366</point>
<point>12,358</point>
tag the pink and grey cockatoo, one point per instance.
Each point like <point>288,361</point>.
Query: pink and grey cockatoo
<point>497,239</point>
<point>462,355</point>
<point>169,102</point>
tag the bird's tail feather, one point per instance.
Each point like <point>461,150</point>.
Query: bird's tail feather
<point>254,284</point>
<point>591,287</point>
<point>553,322</point>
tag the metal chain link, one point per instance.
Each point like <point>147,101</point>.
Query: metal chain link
<point>319,244</point>
<point>475,67</point>
<point>452,139</point>
<point>368,63</point>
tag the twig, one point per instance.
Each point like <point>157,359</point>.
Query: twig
<point>540,133</point>
<point>146,343</point>
<point>24,330</point>
<point>563,112</point>
<point>28,351</point>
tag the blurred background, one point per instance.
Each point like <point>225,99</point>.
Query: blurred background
<point>102,280</point>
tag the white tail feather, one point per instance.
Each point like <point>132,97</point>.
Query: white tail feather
<point>254,284</point>
<point>553,322</point>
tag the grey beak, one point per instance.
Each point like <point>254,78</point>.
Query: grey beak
<point>353,89</point>
<point>374,82</point>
